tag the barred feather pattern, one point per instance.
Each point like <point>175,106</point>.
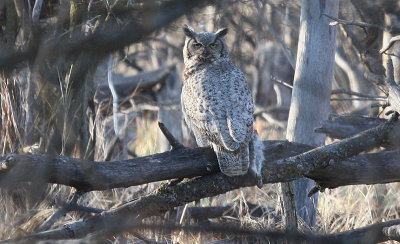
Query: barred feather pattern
<point>217,103</point>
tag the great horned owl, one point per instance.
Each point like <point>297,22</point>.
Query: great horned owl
<point>217,104</point>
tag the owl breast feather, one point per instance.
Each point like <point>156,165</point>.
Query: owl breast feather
<point>217,99</point>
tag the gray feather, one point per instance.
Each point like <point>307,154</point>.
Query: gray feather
<point>216,101</point>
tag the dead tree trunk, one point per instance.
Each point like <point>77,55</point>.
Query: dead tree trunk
<point>312,88</point>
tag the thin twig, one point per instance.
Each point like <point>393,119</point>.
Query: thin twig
<point>80,208</point>
<point>167,43</point>
<point>353,93</point>
<point>36,11</point>
<point>362,97</point>
<point>283,83</point>
<point>270,119</point>
<point>114,94</point>
<point>153,107</point>
<point>390,73</point>
<point>352,22</point>
<point>389,44</point>
<point>358,99</point>
<point>374,78</point>
<point>270,109</point>
<point>142,237</point>
<point>379,105</point>
<point>283,45</point>
<point>171,139</point>
<point>378,80</point>
<point>62,211</point>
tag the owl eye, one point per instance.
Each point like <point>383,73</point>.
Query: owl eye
<point>196,45</point>
<point>213,45</point>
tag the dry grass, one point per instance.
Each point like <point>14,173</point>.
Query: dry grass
<point>339,209</point>
<point>147,134</point>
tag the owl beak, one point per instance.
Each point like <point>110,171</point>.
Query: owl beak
<point>205,53</point>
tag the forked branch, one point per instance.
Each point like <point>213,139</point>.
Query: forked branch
<point>276,170</point>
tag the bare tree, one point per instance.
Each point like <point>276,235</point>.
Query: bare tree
<point>310,98</point>
<point>66,159</point>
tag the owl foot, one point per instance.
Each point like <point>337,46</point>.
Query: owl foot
<point>174,182</point>
<point>257,177</point>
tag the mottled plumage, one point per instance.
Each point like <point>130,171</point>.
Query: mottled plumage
<point>217,103</point>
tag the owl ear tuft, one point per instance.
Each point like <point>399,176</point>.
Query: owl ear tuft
<point>189,32</point>
<point>221,32</point>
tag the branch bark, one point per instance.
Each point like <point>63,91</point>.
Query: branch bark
<point>169,196</point>
<point>392,232</point>
<point>393,88</point>
<point>370,168</point>
<point>367,235</point>
<point>314,72</point>
<point>280,164</point>
<point>344,126</point>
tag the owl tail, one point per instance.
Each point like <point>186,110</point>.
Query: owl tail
<point>249,157</point>
<point>233,163</point>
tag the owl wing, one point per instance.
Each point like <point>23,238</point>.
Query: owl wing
<point>224,113</point>
<point>196,109</point>
<point>240,108</point>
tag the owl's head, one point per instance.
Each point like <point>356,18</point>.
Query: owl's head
<point>205,47</point>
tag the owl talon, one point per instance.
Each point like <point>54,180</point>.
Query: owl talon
<point>256,176</point>
<point>174,182</point>
<point>234,180</point>
<point>259,181</point>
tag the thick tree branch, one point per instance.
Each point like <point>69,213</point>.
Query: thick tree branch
<point>370,168</point>
<point>371,234</point>
<point>89,175</point>
<point>169,196</point>
<point>392,232</point>
<point>367,235</point>
<point>187,162</point>
<point>393,88</point>
<point>347,125</point>
<point>153,17</point>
